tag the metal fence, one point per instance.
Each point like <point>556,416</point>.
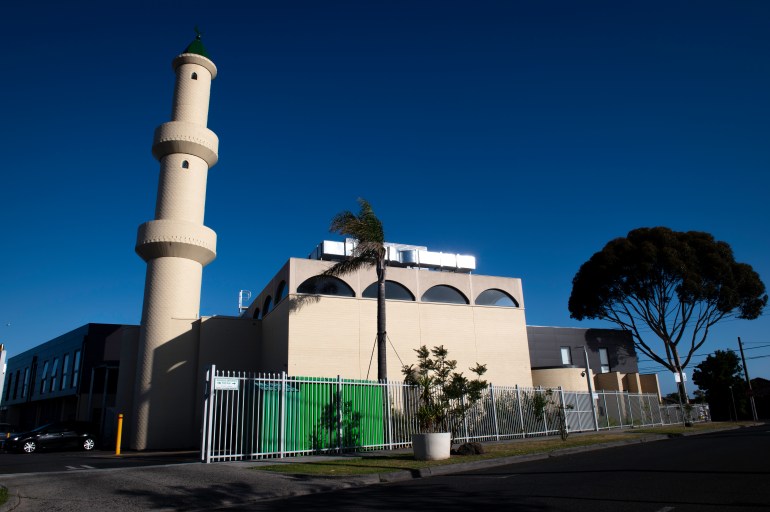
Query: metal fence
<point>254,416</point>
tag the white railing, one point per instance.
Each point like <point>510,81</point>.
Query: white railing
<point>254,416</point>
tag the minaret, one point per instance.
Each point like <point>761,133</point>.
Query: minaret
<point>176,246</point>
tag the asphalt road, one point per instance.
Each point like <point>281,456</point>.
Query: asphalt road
<point>77,460</point>
<point>726,471</point>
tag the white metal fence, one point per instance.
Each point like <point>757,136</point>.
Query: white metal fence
<point>253,416</point>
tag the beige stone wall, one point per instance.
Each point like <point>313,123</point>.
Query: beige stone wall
<point>330,336</point>
<point>650,384</point>
<point>570,379</point>
<point>335,336</point>
<point>231,344</point>
<point>274,345</point>
<point>631,383</point>
<point>612,381</point>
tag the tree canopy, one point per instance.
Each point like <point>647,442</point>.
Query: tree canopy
<point>368,251</point>
<point>720,377</point>
<point>666,285</point>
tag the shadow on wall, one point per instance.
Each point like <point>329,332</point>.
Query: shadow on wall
<point>621,353</point>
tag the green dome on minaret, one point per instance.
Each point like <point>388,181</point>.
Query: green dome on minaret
<point>197,45</point>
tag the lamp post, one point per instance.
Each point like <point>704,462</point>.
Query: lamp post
<point>590,389</point>
<point>735,411</point>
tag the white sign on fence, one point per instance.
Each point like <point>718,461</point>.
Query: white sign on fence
<point>226,383</point>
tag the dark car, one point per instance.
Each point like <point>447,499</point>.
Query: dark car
<point>54,436</point>
<point>6,429</point>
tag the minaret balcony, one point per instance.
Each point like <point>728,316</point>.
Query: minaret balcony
<point>178,239</point>
<point>188,138</point>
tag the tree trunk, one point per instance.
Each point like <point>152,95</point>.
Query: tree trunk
<point>382,366</point>
<point>678,366</point>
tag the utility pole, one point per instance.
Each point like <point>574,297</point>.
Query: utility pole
<point>748,381</point>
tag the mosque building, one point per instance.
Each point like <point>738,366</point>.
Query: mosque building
<point>302,323</point>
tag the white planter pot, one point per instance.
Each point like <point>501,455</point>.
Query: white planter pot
<point>434,446</point>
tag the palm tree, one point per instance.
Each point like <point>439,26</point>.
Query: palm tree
<point>369,251</point>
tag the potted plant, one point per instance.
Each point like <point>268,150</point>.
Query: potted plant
<point>444,397</point>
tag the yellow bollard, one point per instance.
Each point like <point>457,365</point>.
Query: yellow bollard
<point>120,434</point>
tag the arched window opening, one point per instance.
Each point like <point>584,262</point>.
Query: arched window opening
<point>444,293</point>
<point>326,285</point>
<point>393,291</point>
<point>185,164</point>
<point>495,297</point>
<point>267,306</point>
<point>256,314</point>
<point>281,292</point>
<point>194,76</point>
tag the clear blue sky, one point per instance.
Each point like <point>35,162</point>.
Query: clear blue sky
<point>525,133</point>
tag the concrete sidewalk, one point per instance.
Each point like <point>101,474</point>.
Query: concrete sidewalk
<point>197,486</point>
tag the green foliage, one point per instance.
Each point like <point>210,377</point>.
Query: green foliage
<point>720,376</point>
<point>539,402</point>
<point>675,284</point>
<point>445,396</point>
<point>369,251</point>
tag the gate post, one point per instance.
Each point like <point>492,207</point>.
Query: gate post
<point>282,417</point>
<point>208,412</point>
<point>388,415</point>
<point>494,410</point>
<point>339,413</point>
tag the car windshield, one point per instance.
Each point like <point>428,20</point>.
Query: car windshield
<point>41,427</point>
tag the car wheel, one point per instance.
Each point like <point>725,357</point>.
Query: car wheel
<point>29,446</point>
<point>88,444</point>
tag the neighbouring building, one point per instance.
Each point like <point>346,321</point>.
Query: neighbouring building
<point>71,377</point>
<point>558,358</point>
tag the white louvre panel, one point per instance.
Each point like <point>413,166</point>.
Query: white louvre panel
<point>400,255</point>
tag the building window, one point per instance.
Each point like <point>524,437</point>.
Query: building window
<point>16,385</point>
<point>54,372</point>
<point>604,359</point>
<point>65,371</point>
<point>185,164</point>
<point>393,291</point>
<point>25,386</point>
<point>76,369</point>
<point>267,306</point>
<point>8,386</point>
<point>194,76</point>
<point>43,378</point>
<point>566,355</point>
<point>444,293</point>
<point>281,292</point>
<point>326,285</point>
<point>495,297</point>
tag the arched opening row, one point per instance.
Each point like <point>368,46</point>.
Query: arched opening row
<point>269,303</point>
<point>328,285</point>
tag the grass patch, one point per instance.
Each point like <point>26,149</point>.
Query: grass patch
<point>3,495</point>
<point>395,461</point>
<point>405,461</point>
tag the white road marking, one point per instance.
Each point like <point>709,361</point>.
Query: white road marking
<point>665,509</point>
<point>83,466</point>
